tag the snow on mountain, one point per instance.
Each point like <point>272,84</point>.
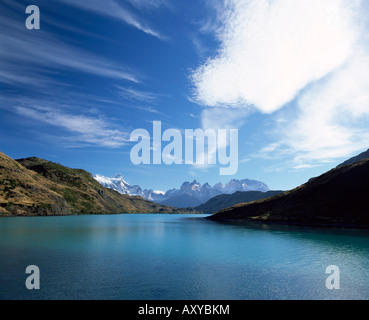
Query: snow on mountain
<point>117,183</point>
<point>194,194</point>
<point>159,192</point>
<point>244,185</point>
<point>190,194</point>
<point>154,195</point>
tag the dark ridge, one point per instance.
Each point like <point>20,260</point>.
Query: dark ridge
<point>339,197</point>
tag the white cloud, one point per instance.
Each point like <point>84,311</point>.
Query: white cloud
<point>136,95</point>
<point>214,119</point>
<point>90,130</point>
<point>114,9</point>
<point>149,109</point>
<point>310,52</point>
<point>23,56</point>
<point>270,50</point>
<point>332,117</point>
<point>221,118</point>
<point>148,4</point>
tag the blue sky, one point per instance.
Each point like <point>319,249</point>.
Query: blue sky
<point>292,76</point>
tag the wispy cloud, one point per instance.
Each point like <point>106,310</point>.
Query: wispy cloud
<point>117,10</point>
<point>134,95</point>
<point>199,47</point>
<point>149,109</point>
<point>140,98</point>
<point>149,4</point>
<point>309,53</point>
<point>214,21</point>
<point>212,120</point>
<point>331,120</point>
<point>86,129</point>
<point>24,55</point>
<point>222,118</point>
<point>26,78</point>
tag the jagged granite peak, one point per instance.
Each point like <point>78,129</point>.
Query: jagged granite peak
<point>218,186</point>
<point>191,186</point>
<point>244,185</point>
<point>153,195</point>
<point>206,186</point>
<point>190,194</point>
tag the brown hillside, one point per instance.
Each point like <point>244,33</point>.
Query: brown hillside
<point>338,197</point>
<point>35,186</point>
<point>24,192</point>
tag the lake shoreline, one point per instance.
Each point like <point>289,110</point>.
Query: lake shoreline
<point>210,217</point>
<point>99,214</point>
<point>289,223</point>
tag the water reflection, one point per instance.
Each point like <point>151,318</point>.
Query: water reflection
<point>178,257</point>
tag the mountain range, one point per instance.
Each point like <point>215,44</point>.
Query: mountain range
<point>190,194</point>
<point>336,198</point>
<point>33,186</point>
<point>227,200</point>
<point>37,187</point>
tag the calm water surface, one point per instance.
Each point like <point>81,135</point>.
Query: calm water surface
<point>178,257</point>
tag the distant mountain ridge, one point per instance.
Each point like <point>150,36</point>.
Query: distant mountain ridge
<point>34,187</point>
<point>190,194</point>
<point>223,201</point>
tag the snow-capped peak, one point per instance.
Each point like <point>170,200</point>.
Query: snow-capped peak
<point>159,192</point>
<point>119,184</point>
<point>189,194</point>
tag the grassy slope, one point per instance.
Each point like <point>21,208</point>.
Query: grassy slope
<point>24,192</point>
<point>34,186</point>
<point>86,196</point>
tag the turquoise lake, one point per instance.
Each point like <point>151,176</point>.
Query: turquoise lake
<point>154,257</point>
